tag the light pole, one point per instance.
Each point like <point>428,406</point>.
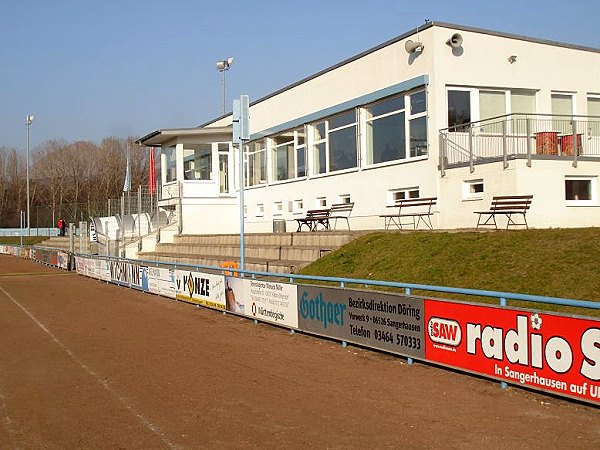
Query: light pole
<point>28,121</point>
<point>222,66</point>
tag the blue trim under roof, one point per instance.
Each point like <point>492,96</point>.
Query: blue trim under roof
<point>359,101</point>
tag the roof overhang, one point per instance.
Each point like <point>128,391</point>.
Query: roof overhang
<point>159,137</point>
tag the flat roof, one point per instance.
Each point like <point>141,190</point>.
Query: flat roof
<point>159,137</point>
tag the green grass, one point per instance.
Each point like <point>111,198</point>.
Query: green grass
<point>555,262</point>
<point>27,240</point>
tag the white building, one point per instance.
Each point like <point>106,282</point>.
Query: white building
<point>444,111</point>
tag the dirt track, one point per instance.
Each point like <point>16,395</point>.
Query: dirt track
<point>84,364</point>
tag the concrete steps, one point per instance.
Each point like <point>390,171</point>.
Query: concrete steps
<point>266,252</point>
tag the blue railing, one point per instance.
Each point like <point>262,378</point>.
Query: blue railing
<point>502,297</point>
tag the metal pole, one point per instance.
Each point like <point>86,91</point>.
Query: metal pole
<point>223,85</point>
<point>241,181</point>
<point>28,121</point>
<point>21,226</point>
<point>575,146</point>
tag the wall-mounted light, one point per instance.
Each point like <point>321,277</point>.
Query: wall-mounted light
<point>512,59</point>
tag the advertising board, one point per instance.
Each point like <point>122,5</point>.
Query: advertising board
<point>128,274</point>
<point>205,289</point>
<point>161,281</point>
<point>388,322</point>
<point>264,300</point>
<point>546,351</point>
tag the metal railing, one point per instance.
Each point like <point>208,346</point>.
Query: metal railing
<point>500,297</point>
<point>520,135</point>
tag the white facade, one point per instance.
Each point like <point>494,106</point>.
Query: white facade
<point>321,140</point>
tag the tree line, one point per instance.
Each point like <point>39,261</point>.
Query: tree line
<point>72,180</point>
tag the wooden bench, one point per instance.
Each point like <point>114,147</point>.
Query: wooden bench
<point>424,213</point>
<point>323,217</point>
<point>313,218</point>
<point>340,211</point>
<point>507,205</point>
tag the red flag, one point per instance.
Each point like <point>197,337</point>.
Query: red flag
<point>152,173</point>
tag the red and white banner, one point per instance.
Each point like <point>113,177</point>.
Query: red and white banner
<point>547,351</point>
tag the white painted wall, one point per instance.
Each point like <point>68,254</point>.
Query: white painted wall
<point>482,62</point>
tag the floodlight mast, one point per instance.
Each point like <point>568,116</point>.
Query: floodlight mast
<point>223,66</point>
<point>28,122</point>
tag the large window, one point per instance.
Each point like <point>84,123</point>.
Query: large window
<point>466,105</point>
<point>289,155</point>
<point>391,122</point>
<point>255,160</point>
<point>171,165</point>
<point>197,162</point>
<point>562,105</point>
<point>334,143</point>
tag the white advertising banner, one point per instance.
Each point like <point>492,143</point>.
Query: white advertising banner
<point>102,270</point>
<point>85,266</point>
<point>264,300</point>
<point>62,260</point>
<point>161,281</point>
<point>200,288</point>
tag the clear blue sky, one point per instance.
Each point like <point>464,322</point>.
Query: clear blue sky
<point>92,69</point>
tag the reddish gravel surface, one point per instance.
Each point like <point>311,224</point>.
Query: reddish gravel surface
<point>84,364</point>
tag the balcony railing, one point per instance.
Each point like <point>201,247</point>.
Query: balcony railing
<point>531,136</point>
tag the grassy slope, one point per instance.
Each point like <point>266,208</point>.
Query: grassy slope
<point>557,262</point>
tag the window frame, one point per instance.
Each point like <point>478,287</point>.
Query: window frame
<point>393,195</point>
<point>409,119</point>
<point>326,140</point>
<point>593,180</point>
<point>468,194</point>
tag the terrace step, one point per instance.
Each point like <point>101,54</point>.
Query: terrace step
<point>266,252</point>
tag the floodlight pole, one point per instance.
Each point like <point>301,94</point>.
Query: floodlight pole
<point>28,121</point>
<point>223,66</point>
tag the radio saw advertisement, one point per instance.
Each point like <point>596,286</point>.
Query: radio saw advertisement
<point>393,323</point>
<point>546,351</point>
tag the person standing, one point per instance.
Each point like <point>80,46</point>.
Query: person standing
<point>61,226</point>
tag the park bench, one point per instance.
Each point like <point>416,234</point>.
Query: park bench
<point>323,217</point>
<point>415,209</point>
<point>507,205</point>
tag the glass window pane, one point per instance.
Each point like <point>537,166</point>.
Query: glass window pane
<point>197,162</point>
<point>171,174</point>
<point>459,109</point>
<point>320,158</point>
<point>562,104</point>
<point>342,119</point>
<point>418,102</point>
<point>491,104</point>
<point>301,155</point>
<point>386,106</point>
<point>418,136</point>
<point>342,149</point>
<point>387,139</point>
<point>578,190</point>
<point>319,130</point>
<point>522,101</point>
<point>593,109</point>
